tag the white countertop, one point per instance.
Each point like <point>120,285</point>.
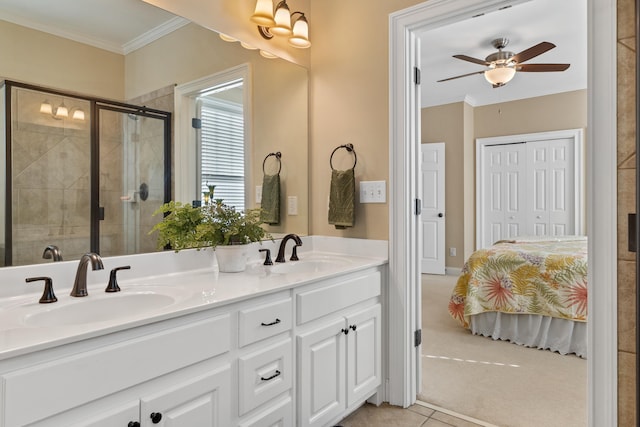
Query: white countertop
<point>189,279</point>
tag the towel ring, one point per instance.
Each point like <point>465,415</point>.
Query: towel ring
<point>278,155</point>
<point>349,148</point>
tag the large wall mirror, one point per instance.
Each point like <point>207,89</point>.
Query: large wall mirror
<point>277,93</point>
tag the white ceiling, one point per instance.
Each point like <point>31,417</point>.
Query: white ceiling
<point>124,25</point>
<point>561,22</point>
<point>119,26</point>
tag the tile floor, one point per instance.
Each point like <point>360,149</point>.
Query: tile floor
<point>417,415</point>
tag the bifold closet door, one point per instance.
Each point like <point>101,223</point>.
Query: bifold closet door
<point>528,189</point>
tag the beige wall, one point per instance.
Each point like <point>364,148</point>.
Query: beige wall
<point>566,110</point>
<point>459,124</point>
<point>45,60</point>
<point>279,96</point>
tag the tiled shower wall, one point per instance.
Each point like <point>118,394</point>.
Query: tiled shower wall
<point>626,160</point>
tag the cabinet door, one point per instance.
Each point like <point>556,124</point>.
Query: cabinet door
<point>200,401</point>
<point>321,376</point>
<point>364,368</point>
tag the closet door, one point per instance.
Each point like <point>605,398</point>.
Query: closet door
<point>551,181</point>
<point>504,180</point>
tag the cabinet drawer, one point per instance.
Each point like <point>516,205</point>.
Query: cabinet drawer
<point>96,373</point>
<point>264,321</point>
<point>280,415</point>
<point>264,374</point>
<point>319,302</point>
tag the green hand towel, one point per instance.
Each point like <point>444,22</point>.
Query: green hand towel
<point>270,199</point>
<point>342,197</point>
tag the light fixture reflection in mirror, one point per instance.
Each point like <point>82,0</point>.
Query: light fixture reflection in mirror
<point>61,111</point>
<point>278,23</point>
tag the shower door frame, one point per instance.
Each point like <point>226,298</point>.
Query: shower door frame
<point>96,104</point>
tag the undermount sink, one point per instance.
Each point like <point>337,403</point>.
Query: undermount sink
<point>104,307</point>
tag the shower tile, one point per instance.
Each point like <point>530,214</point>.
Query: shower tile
<point>627,311</point>
<point>626,105</point>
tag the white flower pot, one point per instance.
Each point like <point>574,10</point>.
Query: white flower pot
<point>232,258</point>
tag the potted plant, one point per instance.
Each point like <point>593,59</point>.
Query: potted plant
<point>214,225</point>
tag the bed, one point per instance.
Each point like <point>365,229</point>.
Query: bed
<point>530,291</point>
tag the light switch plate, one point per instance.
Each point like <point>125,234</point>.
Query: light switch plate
<point>258,193</point>
<point>292,205</point>
<point>373,191</point>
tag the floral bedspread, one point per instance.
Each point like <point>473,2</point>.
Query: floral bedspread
<point>530,276</point>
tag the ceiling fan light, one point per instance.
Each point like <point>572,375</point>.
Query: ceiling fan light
<point>263,14</point>
<point>500,75</point>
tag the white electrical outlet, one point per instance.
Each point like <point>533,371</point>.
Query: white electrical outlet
<point>373,191</point>
<point>258,193</point>
<point>292,205</point>
<point>452,251</point>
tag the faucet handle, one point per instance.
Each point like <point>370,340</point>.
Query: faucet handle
<point>48,295</point>
<point>112,286</point>
<point>267,259</point>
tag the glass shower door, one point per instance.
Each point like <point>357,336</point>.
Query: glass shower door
<point>132,180</point>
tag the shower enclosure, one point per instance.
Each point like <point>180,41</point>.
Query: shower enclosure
<point>82,173</point>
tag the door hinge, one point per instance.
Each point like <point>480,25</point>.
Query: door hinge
<point>417,338</point>
<point>416,75</point>
<point>418,207</point>
<point>196,123</point>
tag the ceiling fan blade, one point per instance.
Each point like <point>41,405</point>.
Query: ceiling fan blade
<point>471,59</point>
<point>538,68</point>
<point>532,52</point>
<point>457,77</point>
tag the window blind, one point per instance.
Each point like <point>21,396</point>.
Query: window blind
<point>222,151</point>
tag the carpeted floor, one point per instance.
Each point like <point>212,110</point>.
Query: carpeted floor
<point>495,381</point>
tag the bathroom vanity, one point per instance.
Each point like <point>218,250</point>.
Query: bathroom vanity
<point>294,344</point>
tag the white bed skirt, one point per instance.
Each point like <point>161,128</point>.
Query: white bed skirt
<point>546,333</point>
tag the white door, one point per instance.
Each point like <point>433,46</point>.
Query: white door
<point>504,178</point>
<point>552,181</point>
<point>432,217</point>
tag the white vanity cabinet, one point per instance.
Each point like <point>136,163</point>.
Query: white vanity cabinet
<point>179,368</point>
<point>338,346</point>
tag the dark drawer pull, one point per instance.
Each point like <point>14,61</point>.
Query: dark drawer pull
<point>275,322</point>
<point>271,377</point>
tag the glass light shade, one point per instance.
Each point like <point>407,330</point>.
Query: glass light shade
<point>283,21</point>
<point>267,55</point>
<point>78,114</point>
<point>62,111</point>
<point>46,108</point>
<point>300,37</point>
<point>247,46</point>
<point>500,75</point>
<point>227,38</point>
<point>263,14</point>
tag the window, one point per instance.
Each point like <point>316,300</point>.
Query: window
<point>222,150</point>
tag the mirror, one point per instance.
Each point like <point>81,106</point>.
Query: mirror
<point>278,96</point>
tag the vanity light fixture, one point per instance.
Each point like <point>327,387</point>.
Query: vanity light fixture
<point>61,111</point>
<point>279,23</point>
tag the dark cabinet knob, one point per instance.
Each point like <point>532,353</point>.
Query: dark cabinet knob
<point>353,327</point>
<point>156,417</point>
<point>345,331</point>
<point>440,215</point>
<point>133,424</point>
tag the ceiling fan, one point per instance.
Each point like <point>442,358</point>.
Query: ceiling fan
<point>502,65</point>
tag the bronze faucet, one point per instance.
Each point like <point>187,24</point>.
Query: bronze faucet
<point>294,255</point>
<point>80,283</point>
<point>52,251</point>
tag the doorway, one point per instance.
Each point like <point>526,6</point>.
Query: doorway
<point>601,195</point>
